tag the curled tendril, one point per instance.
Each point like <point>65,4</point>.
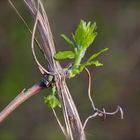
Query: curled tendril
<point>98,113</point>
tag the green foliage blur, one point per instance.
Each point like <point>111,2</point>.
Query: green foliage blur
<point>117,82</point>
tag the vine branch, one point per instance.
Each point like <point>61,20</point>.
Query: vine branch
<point>20,98</point>
<point>82,39</point>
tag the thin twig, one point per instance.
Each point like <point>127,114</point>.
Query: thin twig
<point>20,98</point>
<point>45,33</point>
<point>41,68</point>
<point>89,89</point>
<point>59,123</point>
<point>25,23</point>
<point>88,118</point>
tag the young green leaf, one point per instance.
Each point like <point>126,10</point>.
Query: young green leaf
<point>50,78</point>
<point>71,44</point>
<point>73,72</point>
<point>96,54</point>
<point>52,101</point>
<point>96,63</point>
<point>64,55</point>
<point>84,34</point>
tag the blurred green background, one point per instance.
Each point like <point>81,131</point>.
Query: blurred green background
<point>117,82</point>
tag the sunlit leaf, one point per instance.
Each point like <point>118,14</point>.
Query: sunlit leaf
<point>96,63</point>
<point>84,34</point>
<point>64,55</point>
<point>52,101</point>
<point>96,54</point>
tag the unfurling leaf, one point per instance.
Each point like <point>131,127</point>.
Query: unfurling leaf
<point>52,101</point>
<point>64,55</point>
<point>71,44</point>
<point>84,34</point>
<point>91,60</point>
<point>96,63</point>
<point>96,54</point>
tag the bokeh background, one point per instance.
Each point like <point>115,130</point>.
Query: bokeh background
<point>116,83</point>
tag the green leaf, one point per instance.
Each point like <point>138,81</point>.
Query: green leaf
<point>50,78</point>
<point>71,44</point>
<point>96,63</point>
<point>91,62</point>
<point>64,55</point>
<point>96,54</point>
<point>52,101</point>
<point>84,34</point>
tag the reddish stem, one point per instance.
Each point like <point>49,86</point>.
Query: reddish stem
<point>20,98</point>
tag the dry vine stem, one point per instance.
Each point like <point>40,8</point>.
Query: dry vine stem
<point>71,116</point>
<point>73,130</point>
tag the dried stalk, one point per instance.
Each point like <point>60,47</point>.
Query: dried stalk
<point>73,123</point>
<point>71,116</point>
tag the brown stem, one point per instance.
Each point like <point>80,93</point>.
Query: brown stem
<point>74,128</point>
<point>19,99</point>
